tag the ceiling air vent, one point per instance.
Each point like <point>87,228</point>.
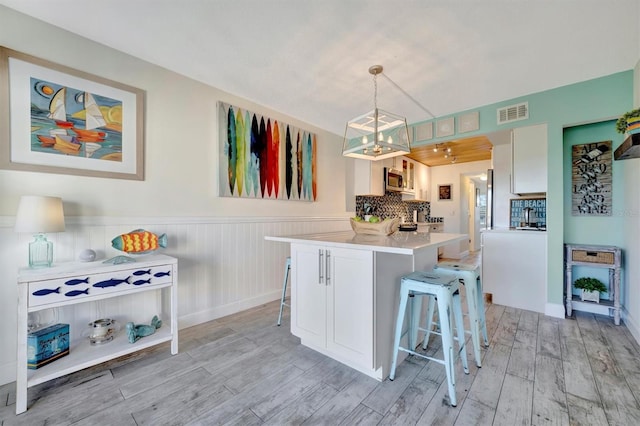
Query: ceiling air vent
<point>513,113</point>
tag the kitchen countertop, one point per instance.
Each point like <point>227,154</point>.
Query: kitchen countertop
<point>513,230</point>
<point>399,242</point>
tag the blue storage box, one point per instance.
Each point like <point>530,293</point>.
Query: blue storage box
<point>47,344</point>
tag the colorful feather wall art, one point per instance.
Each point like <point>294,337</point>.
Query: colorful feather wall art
<point>265,158</point>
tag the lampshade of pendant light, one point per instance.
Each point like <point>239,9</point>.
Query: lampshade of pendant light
<point>377,134</point>
<point>39,215</point>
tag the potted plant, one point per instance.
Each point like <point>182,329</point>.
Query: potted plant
<point>591,288</point>
<point>629,122</point>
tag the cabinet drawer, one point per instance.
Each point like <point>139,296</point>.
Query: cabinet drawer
<point>603,257</point>
<point>75,287</point>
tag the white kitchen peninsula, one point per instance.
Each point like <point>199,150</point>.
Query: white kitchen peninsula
<point>344,291</point>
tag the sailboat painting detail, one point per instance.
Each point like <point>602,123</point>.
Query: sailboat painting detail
<point>80,123</point>
<point>258,158</point>
<point>68,121</point>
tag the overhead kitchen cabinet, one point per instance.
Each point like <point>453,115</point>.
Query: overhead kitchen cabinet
<point>368,177</point>
<point>529,159</point>
<point>332,301</point>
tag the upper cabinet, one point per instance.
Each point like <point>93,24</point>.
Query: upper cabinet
<point>529,159</point>
<point>369,177</point>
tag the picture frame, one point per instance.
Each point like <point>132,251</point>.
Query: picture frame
<point>445,127</point>
<point>469,122</point>
<point>444,192</point>
<point>56,119</point>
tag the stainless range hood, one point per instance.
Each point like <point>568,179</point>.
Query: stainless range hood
<point>630,148</point>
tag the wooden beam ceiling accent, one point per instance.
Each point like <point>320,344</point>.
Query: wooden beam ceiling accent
<point>476,148</point>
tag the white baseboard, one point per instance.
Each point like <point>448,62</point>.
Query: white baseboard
<point>632,325</point>
<point>555,310</point>
<point>196,318</point>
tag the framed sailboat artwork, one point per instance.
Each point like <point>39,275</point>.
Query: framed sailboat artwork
<point>262,157</point>
<point>56,119</point>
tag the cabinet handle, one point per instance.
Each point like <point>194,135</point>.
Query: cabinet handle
<point>327,268</point>
<point>320,258</point>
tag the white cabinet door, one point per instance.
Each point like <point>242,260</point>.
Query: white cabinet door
<point>332,301</point>
<point>529,159</point>
<point>514,268</point>
<point>350,304</point>
<point>368,177</point>
<point>308,293</point>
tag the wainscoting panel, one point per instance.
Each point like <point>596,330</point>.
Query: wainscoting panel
<point>224,264</point>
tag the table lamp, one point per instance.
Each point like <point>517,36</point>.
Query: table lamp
<point>39,215</point>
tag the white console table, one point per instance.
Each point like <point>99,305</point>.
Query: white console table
<point>594,256</point>
<point>157,273</point>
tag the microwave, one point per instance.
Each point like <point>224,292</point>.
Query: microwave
<point>393,180</point>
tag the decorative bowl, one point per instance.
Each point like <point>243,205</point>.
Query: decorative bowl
<point>384,227</point>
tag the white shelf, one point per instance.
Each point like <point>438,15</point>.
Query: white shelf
<point>83,355</point>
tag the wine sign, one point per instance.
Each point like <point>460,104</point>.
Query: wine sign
<point>591,179</point>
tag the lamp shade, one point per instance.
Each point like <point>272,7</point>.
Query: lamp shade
<point>39,214</point>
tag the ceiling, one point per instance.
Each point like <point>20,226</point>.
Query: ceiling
<point>310,59</point>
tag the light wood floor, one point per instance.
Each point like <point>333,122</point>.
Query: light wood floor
<point>244,370</point>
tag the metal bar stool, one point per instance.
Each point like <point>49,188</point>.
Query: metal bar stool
<point>445,289</point>
<point>469,276</point>
<point>287,268</point>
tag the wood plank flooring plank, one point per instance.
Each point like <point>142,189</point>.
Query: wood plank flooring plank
<point>549,399</point>
<point>595,343</point>
<point>488,383</point>
<point>585,412</point>
<point>618,401</point>
<point>474,413</point>
<point>579,380</point>
<point>439,412</point>
<point>362,415</point>
<point>285,396</point>
<point>181,384</point>
<point>387,392</point>
<point>338,408</point>
<point>251,370</point>
<point>236,405</point>
<point>301,409</point>
<point>184,405</point>
<point>549,337</point>
<point>529,321</point>
<point>514,405</point>
<point>506,330</point>
<point>409,407</point>
<point>522,361</point>
<point>154,374</point>
<point>245,419</point>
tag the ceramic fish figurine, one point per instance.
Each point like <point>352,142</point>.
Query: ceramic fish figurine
<point>139,241</point>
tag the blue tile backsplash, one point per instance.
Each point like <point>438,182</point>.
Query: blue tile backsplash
<point>391,205</point>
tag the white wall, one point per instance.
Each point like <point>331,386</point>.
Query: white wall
<point>225,265</point>
<point>631,292</point>
<point>451,211</point>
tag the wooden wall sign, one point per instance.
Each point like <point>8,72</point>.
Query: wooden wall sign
<point>591,179</point>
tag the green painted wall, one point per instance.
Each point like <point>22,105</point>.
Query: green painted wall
<point>606,230</point>
<point>580,103</point>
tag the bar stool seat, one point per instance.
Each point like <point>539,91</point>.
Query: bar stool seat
<point>469,276</point>
<point>445,289</point>
<point>287,268</point>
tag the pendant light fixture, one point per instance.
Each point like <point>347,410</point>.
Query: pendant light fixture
<point>377,134</point>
